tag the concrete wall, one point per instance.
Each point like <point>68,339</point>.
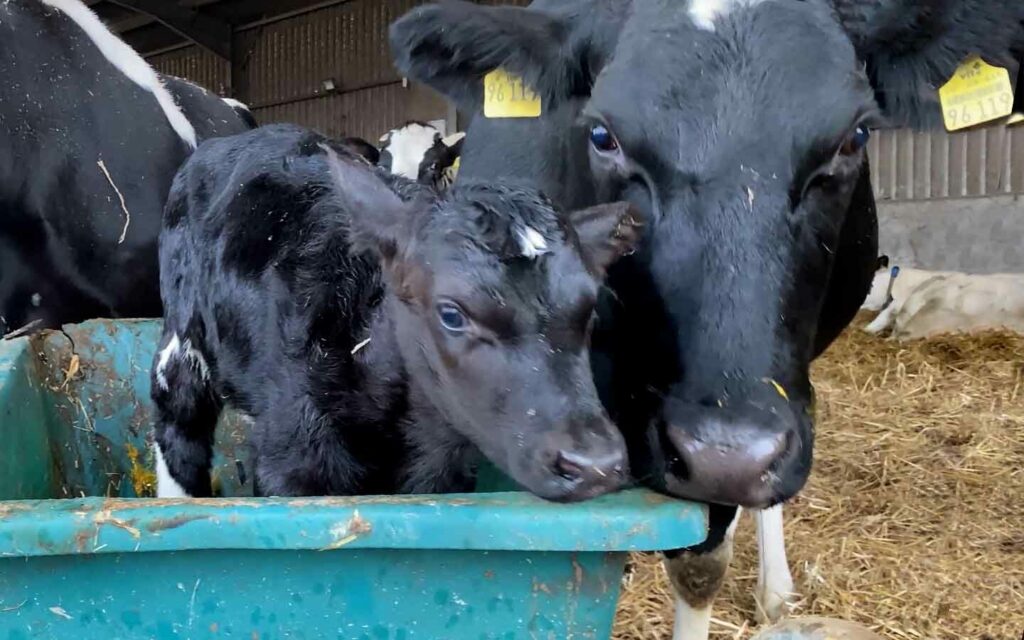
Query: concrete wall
<point>975,235</point>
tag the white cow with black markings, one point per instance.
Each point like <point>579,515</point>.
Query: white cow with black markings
<point>917,303</point>
<point>418,151</point>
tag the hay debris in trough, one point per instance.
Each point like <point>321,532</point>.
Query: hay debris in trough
<point>913,520</point>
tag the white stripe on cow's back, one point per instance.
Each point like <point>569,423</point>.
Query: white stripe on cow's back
<point>235,104</point>
<point>704,12</point>
<point>128,62</point>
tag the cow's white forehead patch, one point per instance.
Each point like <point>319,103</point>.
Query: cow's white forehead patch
<point>704,12</point>
<point>531,242</point>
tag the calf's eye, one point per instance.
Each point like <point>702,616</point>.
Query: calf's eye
<point>602,138</point>
<point>856,141</point>
<point>452,318</point>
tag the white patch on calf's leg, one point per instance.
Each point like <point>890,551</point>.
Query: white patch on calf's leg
<point>128,62</point>
<point>166,485</point>
<point>168,352</point>
<point>196,359</point>
<point>774,582</point>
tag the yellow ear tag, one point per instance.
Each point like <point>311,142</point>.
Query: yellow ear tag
<point>506,96</point>
<point>455,165</point>
<point>977,93</point>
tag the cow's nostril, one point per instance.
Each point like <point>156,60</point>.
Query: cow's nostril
<point>571,465</point>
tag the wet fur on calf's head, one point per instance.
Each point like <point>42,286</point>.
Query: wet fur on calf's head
<point>492,296</point>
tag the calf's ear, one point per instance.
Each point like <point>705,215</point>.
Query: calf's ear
<point>606,233</point>
<point>379,221</point>
<point>912,47</point>
<point>450,46</point>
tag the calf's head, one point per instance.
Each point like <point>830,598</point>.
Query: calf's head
<point>492,296</point>
<point>739,128</point>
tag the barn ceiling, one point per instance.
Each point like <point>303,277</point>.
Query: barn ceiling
<point>153,26</point>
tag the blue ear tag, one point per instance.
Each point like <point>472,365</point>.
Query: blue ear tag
<point>895,271</point>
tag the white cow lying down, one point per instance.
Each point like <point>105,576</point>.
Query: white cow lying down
<point>926,303</point>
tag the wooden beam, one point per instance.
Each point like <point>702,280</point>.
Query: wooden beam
<point>209,33</point>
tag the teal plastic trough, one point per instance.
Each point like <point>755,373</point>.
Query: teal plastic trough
<point>83,557</point>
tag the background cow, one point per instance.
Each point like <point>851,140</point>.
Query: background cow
<point>924,303</point>
<point>90,138</point>
<point>748,155</point>
<point>417,151</point>
<point>380,337</point>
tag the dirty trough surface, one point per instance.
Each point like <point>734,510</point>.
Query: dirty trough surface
<point>75,419</point>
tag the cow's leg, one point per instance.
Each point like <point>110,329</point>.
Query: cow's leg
<point>774,582</point>
<point>186,416</point>
<point>882,320</point>
<point>697,574</point>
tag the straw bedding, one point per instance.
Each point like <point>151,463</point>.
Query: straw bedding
<point>913,520</point>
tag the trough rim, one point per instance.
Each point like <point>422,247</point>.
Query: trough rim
<point>631,520</point>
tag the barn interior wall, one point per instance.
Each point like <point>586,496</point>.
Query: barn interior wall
<point>951,200</point>
<point>280,68</point>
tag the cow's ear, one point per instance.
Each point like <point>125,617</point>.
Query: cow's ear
<point>911,48</point>
<point>450,46</point>
<point>380,222</point>
<point>606,232</point>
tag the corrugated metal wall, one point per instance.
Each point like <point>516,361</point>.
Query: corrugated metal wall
<point>280,66</point>
<point>198,65</point>
<point>908,165</point>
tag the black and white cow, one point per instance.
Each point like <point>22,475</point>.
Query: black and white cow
<point>739,127</point>
<point>417,151</point>
<point>90,139</point>
<point>381,337</point>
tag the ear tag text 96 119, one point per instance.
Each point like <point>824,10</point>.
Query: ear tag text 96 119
<point>507,96</point>
<point>977,93</point>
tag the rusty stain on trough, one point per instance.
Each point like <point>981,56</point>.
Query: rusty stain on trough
<point>163,524</point>
<point>346,532</point>
<point>106,517</point>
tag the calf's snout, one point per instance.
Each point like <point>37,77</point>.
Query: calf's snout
<point>584,460</point>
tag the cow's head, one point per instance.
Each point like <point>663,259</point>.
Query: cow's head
<point>417,151</point>
<point>739,127</point>
<point>492,295</point>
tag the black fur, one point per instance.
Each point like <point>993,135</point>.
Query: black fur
<point>63,109</point>
<point>279,260</point>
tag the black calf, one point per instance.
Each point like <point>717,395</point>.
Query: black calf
<point>380,336</point>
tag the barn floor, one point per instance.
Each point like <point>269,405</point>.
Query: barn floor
<point>913,520</point>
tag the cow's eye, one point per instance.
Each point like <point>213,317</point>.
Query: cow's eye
<point>855,141</point>
<point>602,139</point>
<point>452,318</point>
